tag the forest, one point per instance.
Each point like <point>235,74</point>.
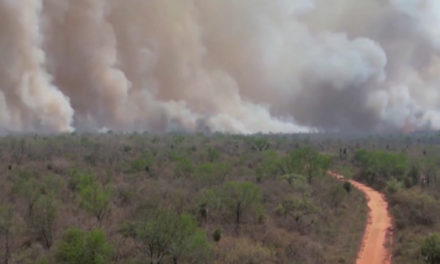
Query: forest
<point>213,198</point>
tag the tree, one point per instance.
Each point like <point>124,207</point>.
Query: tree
<point>292,178</point>
<point>211,173</point>
<point>27,186</point>
<point>43,218</point>
<point>217,235</point>
<point>188,241</point>
<point>168,235</point>
<point>6,224</point>
<point>336,195</point>
<point>80,247</point>
<point>235,198</point>
<point>39,195</point>
<point>184,167</point>
<point>96,200</point>
<point>213,154</point>
<point>414,207</point>
<point>258,143</point>
<point>93,197</point>
<point>18,148</point>
<point>243,251</point>
<point>141,164</point>
<point>240,197</point>
<point>302,211</point>
<point>377,167</point>
<point>347,187</point>
<point>306,161</point>
<point>430,249</point>
<point>30,187</point>
<point>269,166</point>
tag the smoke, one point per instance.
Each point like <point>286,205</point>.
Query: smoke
<point>28,100</point>
<point>219,65</point>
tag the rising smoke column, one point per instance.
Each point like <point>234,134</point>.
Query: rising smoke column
<point>83,58</point>
<point>28,100</point>
<point>220,65</point>
<point>166,57</point>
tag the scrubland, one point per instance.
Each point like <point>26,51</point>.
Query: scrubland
<point>211,198</point>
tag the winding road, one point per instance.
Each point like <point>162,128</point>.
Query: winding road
<point>377,236</point>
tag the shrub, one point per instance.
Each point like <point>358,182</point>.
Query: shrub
<point>141,164</point>
<point>183,167</point>
<point>393,186</point>
<point>166,234</point>
<point>414,207</point>
<point>93,197</point>
<point>430,249</point>
<point>6,230</point>
<point>236,198</point>
<point>211,173</point>
<point>306,161</point>
<point>217,235</point>
<point>347,187</point>
<point>42,219</point>
<point>81,247</point>
<point>377,167</point>
<point>239,251</point>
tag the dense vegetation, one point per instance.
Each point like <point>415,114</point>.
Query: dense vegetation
<point>406,169</point>
<point>173,199</point>
<point>212,198</point>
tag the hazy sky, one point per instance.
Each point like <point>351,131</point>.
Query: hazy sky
<point>239,66</point>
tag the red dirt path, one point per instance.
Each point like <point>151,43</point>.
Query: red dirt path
<point>377,236</point>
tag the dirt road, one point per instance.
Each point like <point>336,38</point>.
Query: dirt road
<point>377,237</point>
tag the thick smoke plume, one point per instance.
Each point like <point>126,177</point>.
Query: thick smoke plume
<point>219,65</point>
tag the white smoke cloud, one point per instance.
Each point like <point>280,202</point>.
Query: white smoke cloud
<point>28,100</point>
<point>221,65</point>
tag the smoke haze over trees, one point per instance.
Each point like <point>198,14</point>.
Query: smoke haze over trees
<point>231,66</point>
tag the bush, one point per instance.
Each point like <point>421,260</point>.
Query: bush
<point>80,247</point>
<point>269,167</point>
<point>307,162</point>
<point>414,207</point>
<point>93,197</point>
<point>213,154</point>
<point>299,212</point>
<point>430,249</point>
<point>184,167</point>
<point>347,187</point>
<point>211,173</point>
<point>217,235</point>
<point>141,164</point>
<point>235,198</point>
<point>243,251</point>
<point>166,234</point>
<point>377,167</point>
<point>393,186</point>
<point>42,219</point>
